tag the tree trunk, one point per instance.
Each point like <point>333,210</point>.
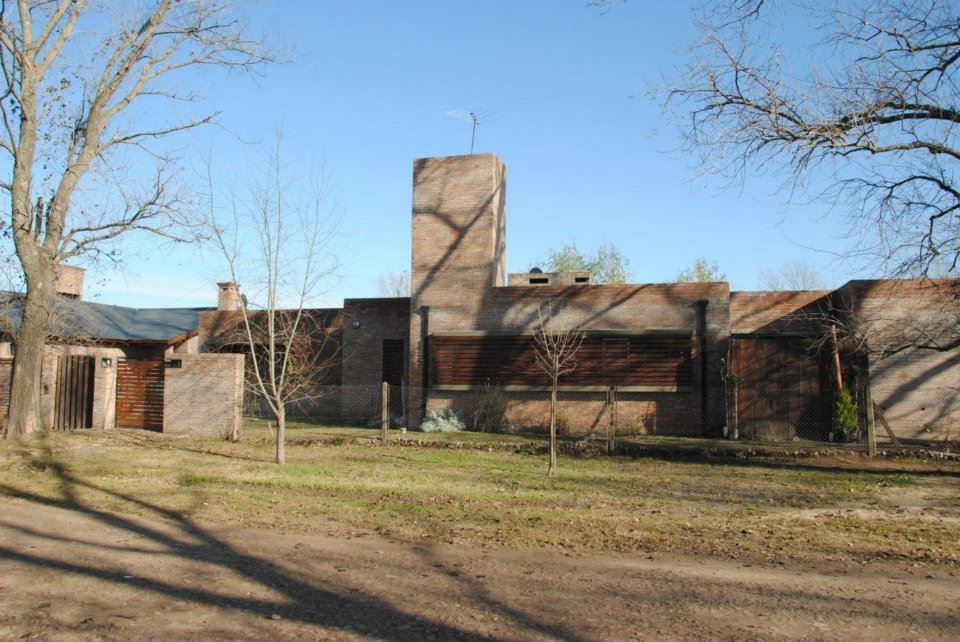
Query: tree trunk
<point>24,417</point>
<point>553,430</point>
<point>281,435</point>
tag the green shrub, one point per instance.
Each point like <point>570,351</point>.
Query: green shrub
<point>846,420</point>
<point>446,420</point>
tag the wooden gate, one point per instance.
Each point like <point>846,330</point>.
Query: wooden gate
<point>140,393</point>
<point>73,408</point>
<point>783,394</point>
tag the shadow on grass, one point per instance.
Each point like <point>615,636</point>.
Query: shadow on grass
<point>303,599</point>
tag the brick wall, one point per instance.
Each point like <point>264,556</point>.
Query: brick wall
<point>69,280</point>
<point>777,312</point>
<point>611,307</point>
<point>550,278</point>
<point>204,396</point>
<point>379,319</point>
<point>458,285</point>
<point>917,389</point>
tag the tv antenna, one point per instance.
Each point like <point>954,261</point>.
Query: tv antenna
<point>474,117</point>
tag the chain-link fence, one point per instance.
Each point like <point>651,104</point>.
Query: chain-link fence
<point>740,413</point>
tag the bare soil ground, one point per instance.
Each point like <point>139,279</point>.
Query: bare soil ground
<point>77,574</point>
<point>134,535</point>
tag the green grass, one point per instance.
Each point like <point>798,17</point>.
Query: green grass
<point>339,482</point>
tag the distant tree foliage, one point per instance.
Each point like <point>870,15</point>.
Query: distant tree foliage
<point>792,275</point>
<point>607,264</point>
<point>701,271</point>
<point>394,284</point>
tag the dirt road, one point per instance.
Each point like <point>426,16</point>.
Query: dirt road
<point>75,573</point>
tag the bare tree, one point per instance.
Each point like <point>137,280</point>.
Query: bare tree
<point>792,275</point>
<point>81,81</point>
<point>556,345</point>
<point>873,328</point>
<point>870,111</point>
<point>278,240</point>
<point>394,284</point>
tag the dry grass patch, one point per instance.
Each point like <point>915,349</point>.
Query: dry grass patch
<point>335,485</point>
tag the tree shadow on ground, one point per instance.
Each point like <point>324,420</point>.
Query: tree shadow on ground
<point>302,600</point>
<point>481,595</point>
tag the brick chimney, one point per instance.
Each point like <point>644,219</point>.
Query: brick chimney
<point>228,296</point>
<point>69,281</point>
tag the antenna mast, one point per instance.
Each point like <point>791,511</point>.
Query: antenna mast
<point>473,117</point>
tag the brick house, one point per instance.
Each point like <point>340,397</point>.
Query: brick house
<point>669,348</point>
<point>467,325</point>
<point>108,366</point>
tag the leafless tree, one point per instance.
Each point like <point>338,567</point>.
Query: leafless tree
<point>928,322</point>
<point>870,111</point>
<point>394,284</point>
<point>792,275</point>
<point>279,241</point>
<point>81,82</point>
<point>556,344</point>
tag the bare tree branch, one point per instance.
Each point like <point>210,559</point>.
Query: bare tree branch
<point>874,115</point>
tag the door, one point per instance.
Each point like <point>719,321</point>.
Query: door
<point>73,408</point>
<point>781,396</point>
<point>140,393</point>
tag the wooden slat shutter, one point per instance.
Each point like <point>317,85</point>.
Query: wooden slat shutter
<point>603,360</point>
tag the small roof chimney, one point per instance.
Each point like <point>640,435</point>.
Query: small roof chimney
<point>228,296</point>
<point>69,281</point>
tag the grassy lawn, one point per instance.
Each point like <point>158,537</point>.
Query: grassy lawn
<point>339,485</point>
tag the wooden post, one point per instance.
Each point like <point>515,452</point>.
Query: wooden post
<point>612,441</point>
<point>384,411</point>
<point>871,434</point>
<point>736,409</point>
<point>836,357</point>
<point>886,426</point>
<point>610,420</point>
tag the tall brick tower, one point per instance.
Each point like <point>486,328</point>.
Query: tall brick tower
<point>458,249</point>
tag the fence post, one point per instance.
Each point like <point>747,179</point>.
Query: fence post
<point>871,434</point>
<point>384,410</point>
<point>612,430</point>
<point>610,420</point>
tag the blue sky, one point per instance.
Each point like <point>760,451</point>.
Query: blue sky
<point>589,157</point>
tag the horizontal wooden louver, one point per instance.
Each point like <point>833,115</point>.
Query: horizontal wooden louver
<point>140,393</point>
<point>654,361</point>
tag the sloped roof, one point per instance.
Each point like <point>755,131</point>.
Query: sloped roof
<point>83,319</point>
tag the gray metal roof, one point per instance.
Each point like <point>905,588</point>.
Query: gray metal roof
<point>83,319</point>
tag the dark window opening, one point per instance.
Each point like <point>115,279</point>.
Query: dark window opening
<point>539,280</point>
<point>581,279</point>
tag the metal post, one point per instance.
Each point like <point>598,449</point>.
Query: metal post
<point>384,411</point>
